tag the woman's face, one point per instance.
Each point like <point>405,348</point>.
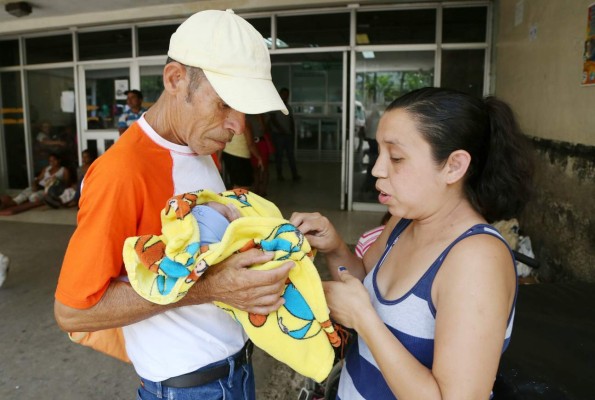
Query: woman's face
<point>54,162</point>
<point>408,179</point>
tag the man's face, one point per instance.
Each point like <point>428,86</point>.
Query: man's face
<point>133,101</point>
<point>203,121</point>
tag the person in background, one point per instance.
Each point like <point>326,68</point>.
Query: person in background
<point>54,174</point>
<point>236,160</point>
<point>71,199</point>
<point>257,125</point>
<point>282,128</point>
<point>433,299</point>
<point>134,101</point>
<point>189,349</point>
<point>369,237</point>
<point>48,141</point>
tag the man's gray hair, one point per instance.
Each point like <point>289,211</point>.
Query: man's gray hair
<point>195,77</point>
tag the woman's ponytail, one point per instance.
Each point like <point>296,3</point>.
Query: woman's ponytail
<point>505,183</point>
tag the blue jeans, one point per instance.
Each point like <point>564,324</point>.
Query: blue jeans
<point>239,385</point>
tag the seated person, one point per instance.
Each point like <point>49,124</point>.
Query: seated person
<point>51,175</point>
<point>72,194</point>
<point>48,141</point>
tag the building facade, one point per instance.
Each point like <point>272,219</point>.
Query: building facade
<point>62,79</point>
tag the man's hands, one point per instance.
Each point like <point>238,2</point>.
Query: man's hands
<point>234,283</point>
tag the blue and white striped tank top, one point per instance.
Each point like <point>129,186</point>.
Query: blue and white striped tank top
<point>410,318</point>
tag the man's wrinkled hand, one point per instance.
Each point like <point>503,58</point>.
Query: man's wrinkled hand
<point>234,283</point>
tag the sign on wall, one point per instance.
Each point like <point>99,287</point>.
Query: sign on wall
<point>121,86</point>
<point>589,55</point>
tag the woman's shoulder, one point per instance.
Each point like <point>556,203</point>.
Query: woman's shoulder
<point>478,256</point>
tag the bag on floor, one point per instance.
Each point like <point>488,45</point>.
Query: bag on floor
<point>107,341</point>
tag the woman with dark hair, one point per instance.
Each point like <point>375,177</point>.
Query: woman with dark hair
<point>70,196</point>
<point>55,173</point>
<point>433,299</point>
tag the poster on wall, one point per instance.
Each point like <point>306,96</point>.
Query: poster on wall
<point>121,86</point>
<point>589,55</point>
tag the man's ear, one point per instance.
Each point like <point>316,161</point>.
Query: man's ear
<point>457,165</point>
<point>174,75</point>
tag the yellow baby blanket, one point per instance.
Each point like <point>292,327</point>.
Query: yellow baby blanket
<point>161,268</point>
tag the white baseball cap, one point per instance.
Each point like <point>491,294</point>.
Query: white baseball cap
<point>233,56</point>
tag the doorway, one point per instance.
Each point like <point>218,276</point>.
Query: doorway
<point>380,77</point>
<point>317,86</point>
<point>102,104</point>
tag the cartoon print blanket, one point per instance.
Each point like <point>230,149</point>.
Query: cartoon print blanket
<point>162,268</point>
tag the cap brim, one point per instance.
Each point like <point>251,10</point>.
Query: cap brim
<point>247,95</point>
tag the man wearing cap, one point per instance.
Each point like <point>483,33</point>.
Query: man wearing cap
<point>218,70</point>
<point>134,101</point>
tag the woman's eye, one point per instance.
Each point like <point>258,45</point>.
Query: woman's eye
<point>396,159</point>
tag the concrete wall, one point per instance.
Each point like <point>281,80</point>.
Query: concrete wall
<point>538,70</point>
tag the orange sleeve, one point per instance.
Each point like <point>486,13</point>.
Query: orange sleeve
<point>118,200</point>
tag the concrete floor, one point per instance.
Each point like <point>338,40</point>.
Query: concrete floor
<point>37,360</point>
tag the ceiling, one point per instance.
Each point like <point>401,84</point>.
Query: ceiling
<point>57,8</point>
<point>58,14</point>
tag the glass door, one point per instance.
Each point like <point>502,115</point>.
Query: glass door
<point>316,83</point>
<point>103,102</point>
<point>151,83</point>
<point>380,77</point>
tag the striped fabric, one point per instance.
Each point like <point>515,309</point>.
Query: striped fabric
<point>410,318</point>
<point>366,239</point>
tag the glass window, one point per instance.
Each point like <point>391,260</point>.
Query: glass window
<point>315,83</point>
<point>92,146</point>
<point>380,80</point>
<point>463,70</point>
<point>105,44</point>
<point>151,84</point>
<point>313,30</point>
<point>49,49</point>
<point>13,131</point>
<point>53,121</point>
<point>263,26</point>
<point>154,40</point>
<point>396,27</point>
<point>104,105</point>
<point>280,72</point>
<point>464,25</point>
<point>388,75</point>
<point>9,53</point>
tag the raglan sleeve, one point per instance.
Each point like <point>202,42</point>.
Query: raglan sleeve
<point>110,209</point>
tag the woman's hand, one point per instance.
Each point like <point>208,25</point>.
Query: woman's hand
<point>318,230</point>
<point>347,299</point>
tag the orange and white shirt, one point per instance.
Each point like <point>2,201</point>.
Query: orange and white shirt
<point>123,194</point>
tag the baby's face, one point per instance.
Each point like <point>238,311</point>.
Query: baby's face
<point>229,211</point>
